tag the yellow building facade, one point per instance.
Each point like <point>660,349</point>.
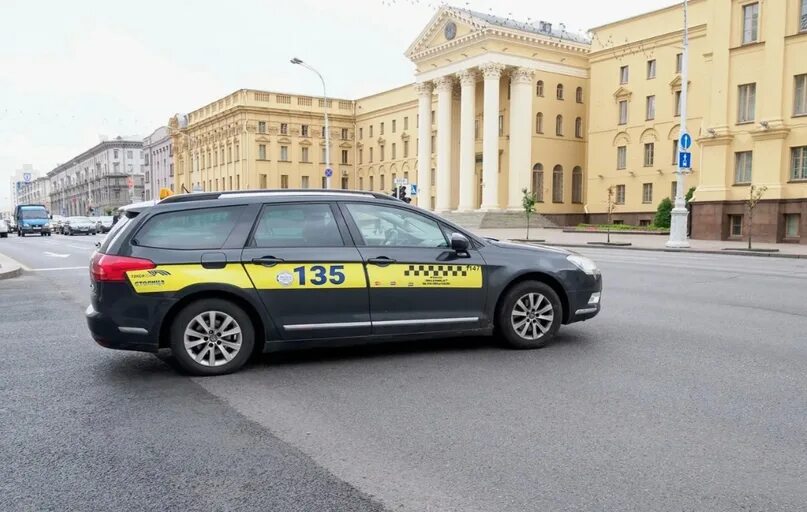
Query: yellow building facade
<point>500,106</point>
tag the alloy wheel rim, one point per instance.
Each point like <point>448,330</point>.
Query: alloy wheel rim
<point>213,338</point>
<point>532,316</point>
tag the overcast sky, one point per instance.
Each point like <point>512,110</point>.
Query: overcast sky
<point>71,71</point>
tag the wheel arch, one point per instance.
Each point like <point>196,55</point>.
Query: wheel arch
<point>541,277</point>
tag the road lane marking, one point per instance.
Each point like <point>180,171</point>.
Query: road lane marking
<point>85,267</point>
<point>55,255</point>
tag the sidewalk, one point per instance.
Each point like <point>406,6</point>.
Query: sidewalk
<point>8,268</point>
<point>644,242</point>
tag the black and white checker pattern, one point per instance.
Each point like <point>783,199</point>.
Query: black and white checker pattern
<point>436,271</point>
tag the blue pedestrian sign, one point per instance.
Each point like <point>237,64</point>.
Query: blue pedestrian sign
<point>328,172</point>
<point>413,190</point>
<point>686,141</point>
<point>26,177</point>
<point>684,160</point>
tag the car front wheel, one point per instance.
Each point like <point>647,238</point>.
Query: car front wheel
<point>212,337</point>
<point>530,315</point>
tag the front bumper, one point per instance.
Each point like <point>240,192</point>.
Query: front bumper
<point>587,302</point>
<point>108,334</point>
<point>27,230</point>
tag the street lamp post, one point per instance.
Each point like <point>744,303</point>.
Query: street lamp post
<point>678,221</point>
<point>299,62</point>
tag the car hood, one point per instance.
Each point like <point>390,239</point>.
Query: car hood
<point>528,247</point>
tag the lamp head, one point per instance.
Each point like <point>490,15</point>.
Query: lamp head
<point>295,60</point>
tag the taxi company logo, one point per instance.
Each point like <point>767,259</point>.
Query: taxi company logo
<point>285,278</point>
<point>159,273</point>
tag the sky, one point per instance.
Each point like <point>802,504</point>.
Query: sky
<point>74,71</point>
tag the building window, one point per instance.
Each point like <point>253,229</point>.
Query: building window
<point>501,125</point>
<point>649,150</point>
<point>539,122</point>
<point>620,194</point>
<point>237,151</point>
<point>650,108</point>
<point>539,88</point>
<point>559,126</point>
<point>344,156</point>
<point>361,156</point>
<point>284,128</point>
<point>393,155</point>
<point>261,126</point>
<point>746,103</point>
<point>750,23</point>
<point>371,155</point>
<point>323,182</point>
<point>371,184</point>
<point>798,163</point>
<point>623,112</point>
<point>735,225</point>
<point>538,182</point>
<point>433,146</point>
<point>679,62</point>
<point>361,133</point>
<point>284,153</point>
<point>371,131</point>
<point>792,221</point>
<point>647,193</point>
<point>381,153</point>
<point>381,130</point>
<point>406,149</point>
<point>284,180</point>
<point>559,92</point>
<point>578,128</point>
<point>623,75</point>
<point>115,153</point>
<point>381,183</point>
<point>322,132</point>
<point>344,183</point>
<point>651,69</point>
<point>261,151</point>
<point>304,182</point>
<point>577,185</point>
<point>677,106</point>
<point>324,156</point>
<point>675,152</point>
<point>621,157</point>
<point>304,130</point>
<point>394,126</point>
<point>800,100</point>
<point>578,95</point>
<point>129,154</point>
<point>742,167</point>
<point>229,154</point>
<point>557,184</point>
<point>344,133</point>
<point>361,183</point>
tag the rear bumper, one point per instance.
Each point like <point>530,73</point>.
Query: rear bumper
<point>108,334</point>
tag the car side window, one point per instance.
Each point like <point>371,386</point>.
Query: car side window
<point>297,225</point>
<point>206,228</point>
<point>395,227</point>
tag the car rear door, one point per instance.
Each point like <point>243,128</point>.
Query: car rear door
<point>308,273</point>
<point>417,284</point>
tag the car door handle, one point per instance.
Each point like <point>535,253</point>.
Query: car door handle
<point>267,261</point>
<point>381,260</point>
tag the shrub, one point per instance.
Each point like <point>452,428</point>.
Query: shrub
<point>663,213</point>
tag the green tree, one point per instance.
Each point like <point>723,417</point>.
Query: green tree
<point>663,213</point>
<point>611,205</point>
<point>754,195</point>
<point>528,203</point>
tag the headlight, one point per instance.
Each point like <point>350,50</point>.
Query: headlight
<point>47,225</point>
<point>585,264</point>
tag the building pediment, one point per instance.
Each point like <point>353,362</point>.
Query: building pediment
<point>345,144</point>
<point>676,82</point>
<point>622,94</point>
<point>305,142</point>
<point>445,29</point>
<point>284,140</point>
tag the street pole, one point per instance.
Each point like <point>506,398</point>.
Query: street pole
<point>678,221</point>
<point>299,62</point>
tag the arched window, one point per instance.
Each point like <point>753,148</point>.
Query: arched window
<point>559,126</point>
<point>579,95</point>
<point>560,91</point>
<point>578,128</point>
<point>539,88</point>
<point>539,122</point>
<point>557,184</point>
<point>538,182</point>
<point>577,185</point>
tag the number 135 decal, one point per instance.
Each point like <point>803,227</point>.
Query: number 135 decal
<point>319,275</point>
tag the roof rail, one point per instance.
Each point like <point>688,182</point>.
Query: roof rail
<point>202,196</point>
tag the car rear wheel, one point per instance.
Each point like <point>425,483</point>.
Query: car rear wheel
<point>212,337</point>
<point>530,315</point>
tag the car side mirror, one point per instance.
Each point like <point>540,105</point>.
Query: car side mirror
<point>459,243</point>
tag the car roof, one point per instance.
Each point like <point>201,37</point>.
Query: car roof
<point>261,195</point>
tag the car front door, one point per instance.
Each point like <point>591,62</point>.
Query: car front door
<point>417,283</point>
<point>307,271</point>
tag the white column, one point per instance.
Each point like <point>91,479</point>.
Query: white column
<point>520,136</point>
<point>445,86</point>
<point>467,189</point>
<point>492,72</point>
<point>424,92</point>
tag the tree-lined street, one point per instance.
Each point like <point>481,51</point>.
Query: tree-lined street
<point>687,392</point>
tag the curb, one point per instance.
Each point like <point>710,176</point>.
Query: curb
<point>689,251</point>
<point>9,268</point>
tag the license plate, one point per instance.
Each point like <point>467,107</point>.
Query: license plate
<point>37,227</point>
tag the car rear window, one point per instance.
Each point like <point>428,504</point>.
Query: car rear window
<point>206,228</point>
<point>297,225</point>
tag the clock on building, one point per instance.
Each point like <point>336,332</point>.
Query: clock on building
<point>450,30</point>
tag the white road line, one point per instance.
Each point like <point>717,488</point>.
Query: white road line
<point>85,267</point>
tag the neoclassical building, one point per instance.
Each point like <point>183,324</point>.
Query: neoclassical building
<point>499,106</point>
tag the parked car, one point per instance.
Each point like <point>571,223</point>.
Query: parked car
<point>4,229</point>
<point>83,225</point>
<point>56,223</point>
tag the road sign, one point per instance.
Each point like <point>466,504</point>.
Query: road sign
<point>413,190</point>
<point>686,141</point>
<point>684,160</point>
<point>328,172</point>
<point>401,181</point>
<point>26,177</point>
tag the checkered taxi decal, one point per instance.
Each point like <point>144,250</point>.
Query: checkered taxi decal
<point>436,270</point>
<point>425,276</point>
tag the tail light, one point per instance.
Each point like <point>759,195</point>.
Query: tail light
<point>104,267</point>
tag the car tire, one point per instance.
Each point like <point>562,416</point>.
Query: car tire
<point>529,316</point>
<point>3,235</point>
<point>193,352</point>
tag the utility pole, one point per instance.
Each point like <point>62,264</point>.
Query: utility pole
<point>328,170</point>
<point>678,221</point>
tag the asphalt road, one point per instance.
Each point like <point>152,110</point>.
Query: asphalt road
<point>688,392</point>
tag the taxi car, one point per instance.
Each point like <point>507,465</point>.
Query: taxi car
<point>216,277</point>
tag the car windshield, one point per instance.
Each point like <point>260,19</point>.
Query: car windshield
<point>34,213</point>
